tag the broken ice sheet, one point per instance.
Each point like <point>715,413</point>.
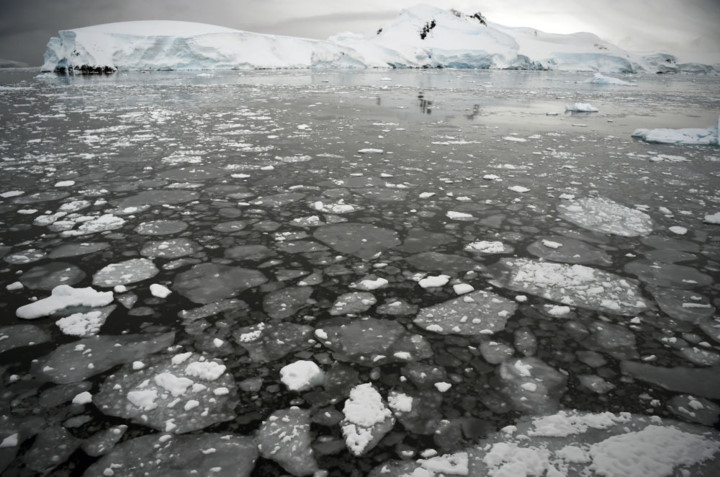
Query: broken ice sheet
<point>175,394</point>
<point>371,341</point>
<point>285,438</point>
<point>361,240</point>
<point>574,285</point>
<point>474,314</point>
<point>366,419</point>
<point>123,273</point>
<point>606,216</point>
<point>209,282</point>
<point>219,455</point>
<point>267,342</point>
<point>573,443</point>
<point>76,361</point>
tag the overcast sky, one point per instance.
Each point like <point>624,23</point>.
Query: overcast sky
<point>668,25</point>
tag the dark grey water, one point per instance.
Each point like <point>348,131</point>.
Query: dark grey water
<point>266,196</point>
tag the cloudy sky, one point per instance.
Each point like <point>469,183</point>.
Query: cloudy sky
<point>668,25</point>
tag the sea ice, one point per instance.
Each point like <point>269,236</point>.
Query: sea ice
<point>574,285</point>
<point>301,375</point>
<point>372,341</point>
<point>532,385</point>
<point>689,136</point>
<point>169,396</point>
<point>474,314</point>
<point>266,342</point>
<point>285,438</point>
<point>581,108</point>
<point>18,336</point>
<point>123,273</point>
<point>61,297</point>
<point>361,240</point>
<point>219,455</point>
<point>48,276</point>
<point>571,443</point>
<point>366,419</point>
<point>605,216</point>
<point>209,282</point>
<point>85,324</point>
<point>284,303</point>
<point>76,361</point>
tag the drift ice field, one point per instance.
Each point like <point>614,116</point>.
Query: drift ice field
<point>383,272</point>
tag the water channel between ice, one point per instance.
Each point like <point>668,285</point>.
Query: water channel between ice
<point>352,271</point>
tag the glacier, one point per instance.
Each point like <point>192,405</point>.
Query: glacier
<point>420,37</point>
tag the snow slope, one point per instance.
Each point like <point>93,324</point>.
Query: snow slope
<point>420,37</point>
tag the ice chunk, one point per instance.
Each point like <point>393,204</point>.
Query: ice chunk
<point>474,314</point>
<point>689,136</point>
<point>123,273</point>
<point>361,240</point>
<point>85,324</point>
<point>161,227</point>
<point>46,277</point>
<point>100,224</point>
<point>285,438</point>
<point>301,375</point>
<point>372,342</point>
<point>64,296</point>
<point>17,336</point>
<point>532,385</point>
<point>600,78</point>
<point>488,247</point>
<point>159,291</point>
<point>434,281</point>
<point>219,455</point>
<point>605,216</point>
<point>353,302</point>
<point>571,443</point>
<point>284,303</point>
<point>581,108</point>
<point>698,381</point>
<point>171,248</point>
<point>568,250</point>
<point>209,282</point>
<point>366,419</point>
<point>574,285</point>
<point>270,342</point>
<point>76,361</point>
<point>157,395</point>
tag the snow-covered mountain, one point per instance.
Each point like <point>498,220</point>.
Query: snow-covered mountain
<point>420,37</point>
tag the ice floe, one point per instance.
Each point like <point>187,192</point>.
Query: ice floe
<point>606,216</point>
<point>61,297</point>
<point>209,282</point>
<point>574,285</point>
<point>688,136</point>
<point>285,438</point>
<point>475,314</point>
<point>123,273</point>
<point>221,455</point>
<point>366,420</point>
<point>171,395</point>
<point>575,443</point>
<point>74,362</point>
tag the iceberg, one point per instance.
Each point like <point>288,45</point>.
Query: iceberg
<point>686,136</point>
<point>419,37</point>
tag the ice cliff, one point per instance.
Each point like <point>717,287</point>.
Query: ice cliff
<point>420,37</point>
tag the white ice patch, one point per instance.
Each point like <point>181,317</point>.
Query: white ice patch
<point>605,216</point>
<point>205,370</point>
<point>301,375</point>
<point>64,296</point>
